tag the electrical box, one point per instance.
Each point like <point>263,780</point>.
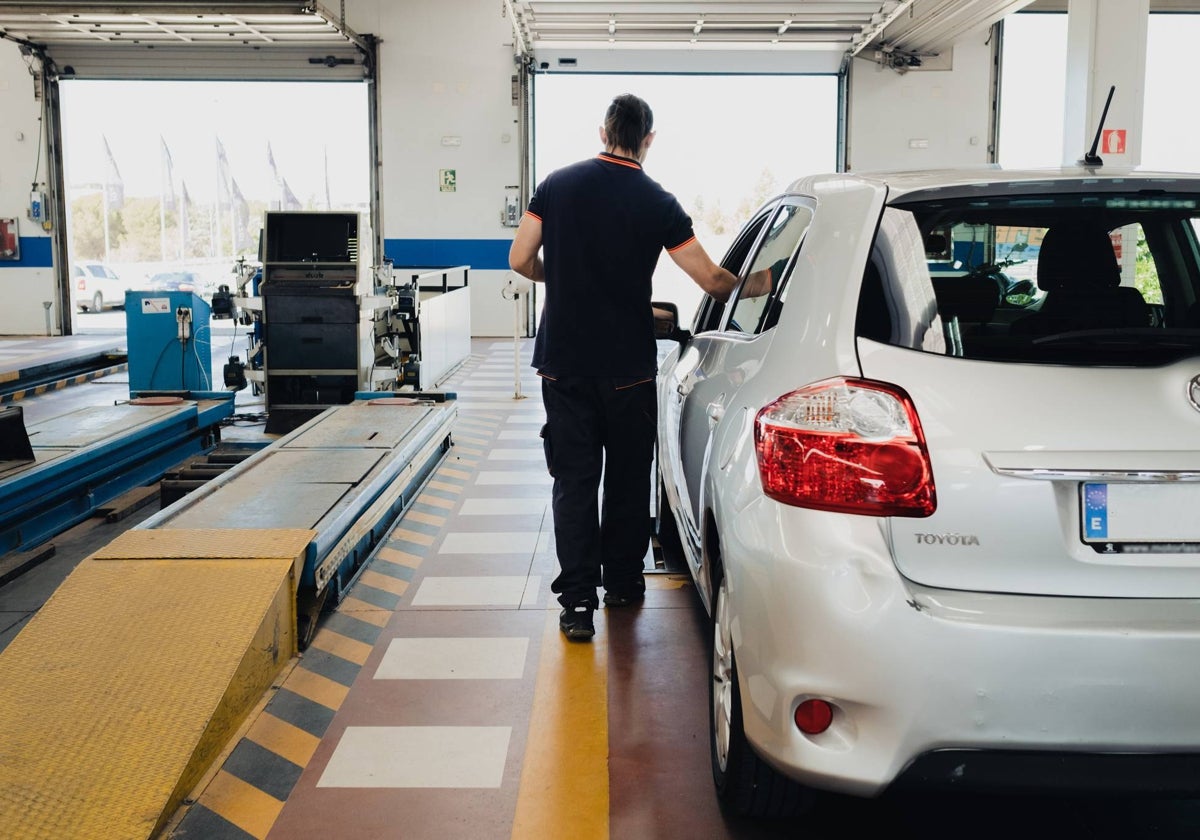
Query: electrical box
<point>168,341</point>
<point>37,207</point>
<point>10,240</point>
<point>510,216</point>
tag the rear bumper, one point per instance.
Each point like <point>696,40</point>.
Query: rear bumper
<point>1014,771</point>
<point>913,672</point>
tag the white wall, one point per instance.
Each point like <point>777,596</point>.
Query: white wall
<point>445,70</point>
<point>891,115</point>
<point>25,284</point>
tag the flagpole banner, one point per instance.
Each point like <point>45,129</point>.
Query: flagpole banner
<point>167,179</point>
<point>114,186</point>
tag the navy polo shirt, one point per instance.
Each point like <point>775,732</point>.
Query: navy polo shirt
<point>604,225</point>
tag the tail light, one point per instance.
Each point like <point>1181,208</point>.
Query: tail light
<point>81,283</point>
<point>846,445</point>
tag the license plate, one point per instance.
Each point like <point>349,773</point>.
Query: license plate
<point>1140,513</point>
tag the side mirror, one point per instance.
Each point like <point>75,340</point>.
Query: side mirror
<point>666,323</point>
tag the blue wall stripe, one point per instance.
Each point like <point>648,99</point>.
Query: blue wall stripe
<point>485,254</point>
<point>35,253</point>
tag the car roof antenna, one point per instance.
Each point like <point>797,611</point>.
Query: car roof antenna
<point>1091,158</point>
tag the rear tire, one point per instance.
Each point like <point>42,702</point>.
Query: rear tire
<point>746,785</point>
<point>97,302</point>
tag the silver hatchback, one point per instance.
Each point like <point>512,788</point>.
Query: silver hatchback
<point>938,488</point>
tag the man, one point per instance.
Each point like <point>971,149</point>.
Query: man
<point>602,224</point>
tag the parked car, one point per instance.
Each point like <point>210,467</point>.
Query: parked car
<point>97,286</point>
<point>947,532</point>
<point>174,281</point>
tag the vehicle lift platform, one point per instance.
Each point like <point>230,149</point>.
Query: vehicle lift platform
<point>34,365</point>
<point>118,695</point>
<point>55,473</point>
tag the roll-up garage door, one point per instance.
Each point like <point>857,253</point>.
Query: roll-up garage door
<point>296,41</point>
<point>182,40</point>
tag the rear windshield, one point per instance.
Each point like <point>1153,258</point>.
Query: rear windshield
<point>1088,279</point>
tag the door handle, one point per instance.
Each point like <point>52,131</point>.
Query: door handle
<point>715,412</point>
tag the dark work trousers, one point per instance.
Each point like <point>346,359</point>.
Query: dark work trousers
<point>596,426</point>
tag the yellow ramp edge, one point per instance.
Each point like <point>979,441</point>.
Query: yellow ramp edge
<point>124,687</point>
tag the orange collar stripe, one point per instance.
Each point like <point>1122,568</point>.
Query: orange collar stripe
<point>619,161</point>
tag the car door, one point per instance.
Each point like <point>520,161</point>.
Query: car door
<point>709,370</point>
<point>678,377</point>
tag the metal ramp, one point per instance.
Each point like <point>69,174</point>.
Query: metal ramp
<point>120,692</point>
<point>123,688</point>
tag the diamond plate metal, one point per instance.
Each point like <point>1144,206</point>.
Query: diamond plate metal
<point>132,676</point>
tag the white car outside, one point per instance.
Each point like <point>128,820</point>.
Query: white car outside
<point>95,287</point>
<point>945,523</point>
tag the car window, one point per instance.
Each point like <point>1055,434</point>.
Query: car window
<point>709,315</point>
<point>1080,278</point>
<point>764,279</point>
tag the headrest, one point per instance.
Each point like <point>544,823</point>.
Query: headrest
<point>1077,258</point>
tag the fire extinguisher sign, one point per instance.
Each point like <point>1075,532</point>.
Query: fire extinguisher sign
<point>1113,141</point>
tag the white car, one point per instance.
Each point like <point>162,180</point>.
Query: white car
<point>96,287</point>
<point>945,522</point>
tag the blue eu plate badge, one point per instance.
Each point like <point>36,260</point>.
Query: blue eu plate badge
<point>1095,511</point>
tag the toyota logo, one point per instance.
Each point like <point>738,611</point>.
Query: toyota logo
<point>1193,392</point>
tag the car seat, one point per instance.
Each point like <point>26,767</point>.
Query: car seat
<point>1078,270</point>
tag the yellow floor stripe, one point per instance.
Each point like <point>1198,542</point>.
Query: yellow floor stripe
<point>467,450</point>
<point>436,501</point>
<point>474,440</point>
<point>467,462</point>
<point>317,688</point>
<point>667,581</point>
<point>341,646</point>
<point>283,739</point>
<point>412,536</point>
<point>427,518</point>
<point>564,777</point>
<point>445,485</point>
<point>363,611</point>
<point>387,584</point>
<point>453,473</point>
<point>395,555</point>
<point>244,805</point>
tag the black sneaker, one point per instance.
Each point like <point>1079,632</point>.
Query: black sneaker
<point>624,597</point>
<point>575,622</point>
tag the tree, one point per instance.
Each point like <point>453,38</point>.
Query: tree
<point>142,241</point>
<point>1145,272</point>
<point>87,227</point>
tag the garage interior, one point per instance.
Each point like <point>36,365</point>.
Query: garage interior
<point>306,592</point>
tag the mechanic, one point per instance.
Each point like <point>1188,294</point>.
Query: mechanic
<point>602,224</point>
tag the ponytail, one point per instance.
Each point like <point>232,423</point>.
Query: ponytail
<point>627,122</point>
